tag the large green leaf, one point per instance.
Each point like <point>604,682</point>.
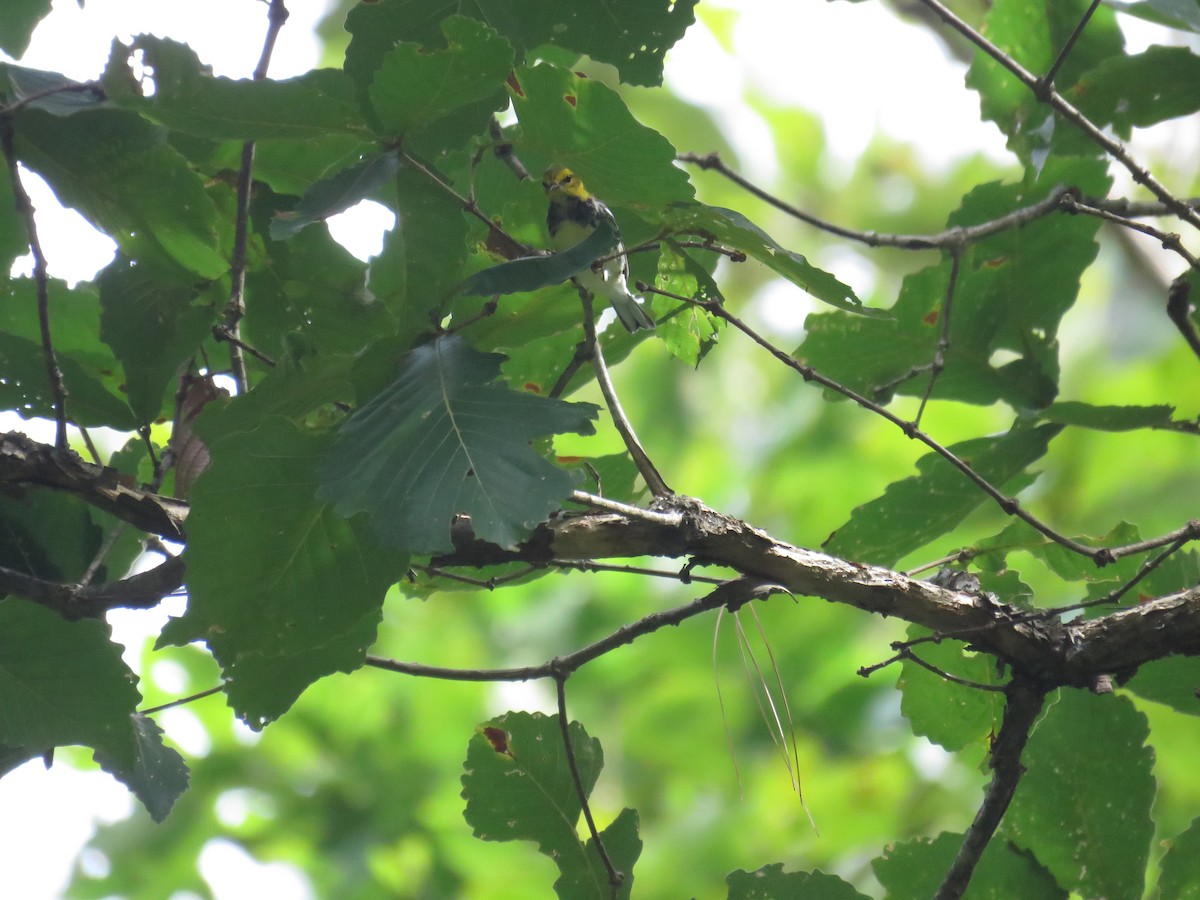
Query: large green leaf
<point>158,774</point>
<point>1011,291</point>
<point>150,320</point>
<point>913,512</point>
<point>518,786</point>
<point>633,35</point>
<point>282,590</point>
<point>445,439</point>
<point>17,24</point>
<point>1083,805</point>
<point>190,99</point>
<point>1130,91</point>
<point>337,193</point>
<point>413,86</point>
<point>772,883</point>
<point>91,373</point>
<point>62,683</point>
<point>586,126</point>
<point>47,534</point>
<point>119,172</point>
<point>916,868</point>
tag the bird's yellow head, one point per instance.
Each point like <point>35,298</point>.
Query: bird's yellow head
<point>562,184</point>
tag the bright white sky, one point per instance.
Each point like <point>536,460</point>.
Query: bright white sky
<point>807,54</point>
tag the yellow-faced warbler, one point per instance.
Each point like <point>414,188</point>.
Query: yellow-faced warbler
<point>572,216</point>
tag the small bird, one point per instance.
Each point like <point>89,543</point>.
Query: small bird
<point>574,214</point>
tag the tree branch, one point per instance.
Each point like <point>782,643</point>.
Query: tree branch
<point>1025,701</point>
<point>24,461</point>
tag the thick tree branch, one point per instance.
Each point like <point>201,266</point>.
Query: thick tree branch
<point>26,462</point>
<point>1053,652</point>
<point>73,601</point>
<point>1025,701</point>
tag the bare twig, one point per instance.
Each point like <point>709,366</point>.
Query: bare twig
<point>943,344</point>
<point>235,310</point>
<point>615,878</point>
<point>731,595</point>
<point>1025,701</point>
<point>957,236</point>
<point>654,481</point>
<point>1047,80</point>
<point>41,280</point>
<point>182,700</point>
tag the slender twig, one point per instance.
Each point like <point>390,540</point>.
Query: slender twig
<point>615,878</point>
<point>1168,240</point>
<point>182,700</point>
<point>1100,556</point>
<point>583,352</point>
<point>469,206</point>
<point>222,332</point>
<point>943,344</point>
<point>489,584</point>
<point>1047,80</point>
<point>585,565</point>
<point>957,236</point>
<point>77,87</point>
<point>1113,596</point>
<point>1048,95</point>
<point>1025,700</point>
<point>625,509</point>
<point>650,474</point>
<point>730,595</point>
<point>41,280</point>
<point>235,310</point>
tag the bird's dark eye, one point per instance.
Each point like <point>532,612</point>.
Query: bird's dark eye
<point>567,179</point>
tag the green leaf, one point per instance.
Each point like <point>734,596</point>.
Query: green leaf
<point>915,511</point>
<point>950,714</point>
<point>1181,14</point>
<point>158,775</point>
<point>17,24</point>
<point>518,786</point>
<point>1130,91</point>
<point>62,683</point>
<point>916,868</point>
<point>1173,681</point>
<point>690,332</point>
<point>1083,805</point>
<point>312,298</point>
<point>51,91</point>
<point>337,193</point>
<point>189,99</point>
<point>119,172</point>
<point>1109,418</point>
<point>532,272</point>
<point>1180,878</point>
<point>772,883</point>
<point>47,534</point>
<point>413,86</point>
<point>1011,292</point>
<point>584,125</point>
<point>90,371</point>
<point>149,319</point>
<point>442,440</point>
<point>633,35</point>
<point>733,230</point>
<point>282,590</point>
<point>1033,33</point>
